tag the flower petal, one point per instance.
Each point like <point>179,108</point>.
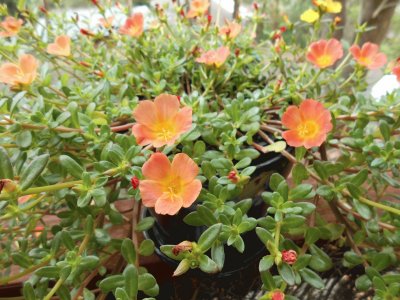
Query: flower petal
<point>292,117</point>
<point>157,167</point>
<point>143,134</point>
<point>292,138</point>
<point>166,205</point>
<point>191,192</point>
<point>167,106</point>
<point>184,167</point>
<point>145,113</point>
<point>150,191</point>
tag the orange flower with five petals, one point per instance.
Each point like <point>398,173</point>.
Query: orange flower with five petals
<point>214,57</point>
<point>368,55</point>
<point>161,122</point>
<point>133,25</point>
<point>230,30</point>
<point>325,53</point>
<point>23,73</point>
<point>308,124</point>
<point>61,46</point>
<point>10,26</point>
<point>169,186</point>
<point>198,8</point>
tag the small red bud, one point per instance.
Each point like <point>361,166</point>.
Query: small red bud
<point>233,176</point>
<point>183,246</point>
<point>98,73</point>
<point>85,64</point>
<point>135,182</point>
<point>182,13</point>
<point>86,32</point>
<point>277,35</point>
<point>277,295</point>
<point>209,19</point>
<point>43,10</point>
<point>255,6</point>
<point>179,98</point>
<point>237,52</point>
<point>289,256</point>
<point>283,29</point>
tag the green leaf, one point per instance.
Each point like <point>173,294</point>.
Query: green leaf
<point>128,251</point>
<point>24,139</point>
<point>385,130</point>
<point>206,215</point>
<point>359,178</point>
<point>207,265</point>
<point>48,272</point>
<point>300,192</point>
<point>275,147</point>
<point>300,152</point>
<point>218,254</point>
<point>33,171</point>
<point>145,224</point>
<point>320,169</point>
<point>146,248</point>
<point>312,235</point>
<point>302,262</point>
<point>193,219</point>
<point>99,197</point>
<point>146,281</point>
<point>209,236</point>
<point>268,280</point>
<point>71,166</point>
<point>320,261</point>
<point>120,294</point>
<point>293,222</point>
<point>6,169</point>
<point>283,190</point>
<point>299,173</point>
<point>363,283</point>
<point>243,163</point>
<point>266,263</point>
<point>312,278</point>
<point>380,261</point>
<point>264,235</point>
<point>287,273</point>
<point>352,258</point>
<point>112,282</point>
<point>182,268</point>
<point>28,291</point>
<point>275,180</point>
<point>131,281</point>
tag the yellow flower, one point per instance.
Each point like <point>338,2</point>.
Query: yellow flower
<point>329,6</point>
<point>309,16</point>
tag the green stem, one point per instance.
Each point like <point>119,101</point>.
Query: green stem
<point>379,205</point>
<point>313,79</point>
<point>25,272</point>
<point>54,289</point>
<point>277,234</point>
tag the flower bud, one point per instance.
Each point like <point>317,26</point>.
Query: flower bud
<point>43,10</point>
<point>209,19</point>
<point>181,247</point>
<point>179,98</point>
<point>237,52</point>
<point>7,185</point>
<point>135,182</point>
<point>85,64</point>
<point>283,29</point>
<point>255,6</point>
<point>289,256</point>
<point>277,295</point>
<point>233,176</point>
<point>86,32</point>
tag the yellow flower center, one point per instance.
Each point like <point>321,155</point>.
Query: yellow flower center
<point>324,61</point>
<point>366,61</point>
<point>308,129</point>
<point>165,134</point>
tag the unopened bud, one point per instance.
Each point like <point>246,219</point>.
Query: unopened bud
<point>181,247</point>
<point>135,182</point>
<point>289,256</point>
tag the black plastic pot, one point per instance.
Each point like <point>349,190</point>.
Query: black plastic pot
<point>171,230</point>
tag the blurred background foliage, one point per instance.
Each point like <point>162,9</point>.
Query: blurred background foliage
<point>386,13</point>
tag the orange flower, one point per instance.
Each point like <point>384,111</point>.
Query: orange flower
<point>22,73</point>
<point>308,124</point>
<point>396,71</point>
<point>368,56</point>
<point>161,122</point>
<point>214,57</point>
<point>325,53</point>
<point>133,26</point>
<point>61,46</point>
<point>10,26</point>
<point>198,8</point>
<point>230,30</point>
<point>169,186</point>
<point>107,22</point>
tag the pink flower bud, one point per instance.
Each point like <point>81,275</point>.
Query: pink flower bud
<point>289,256</point>
<point>135,182</point>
